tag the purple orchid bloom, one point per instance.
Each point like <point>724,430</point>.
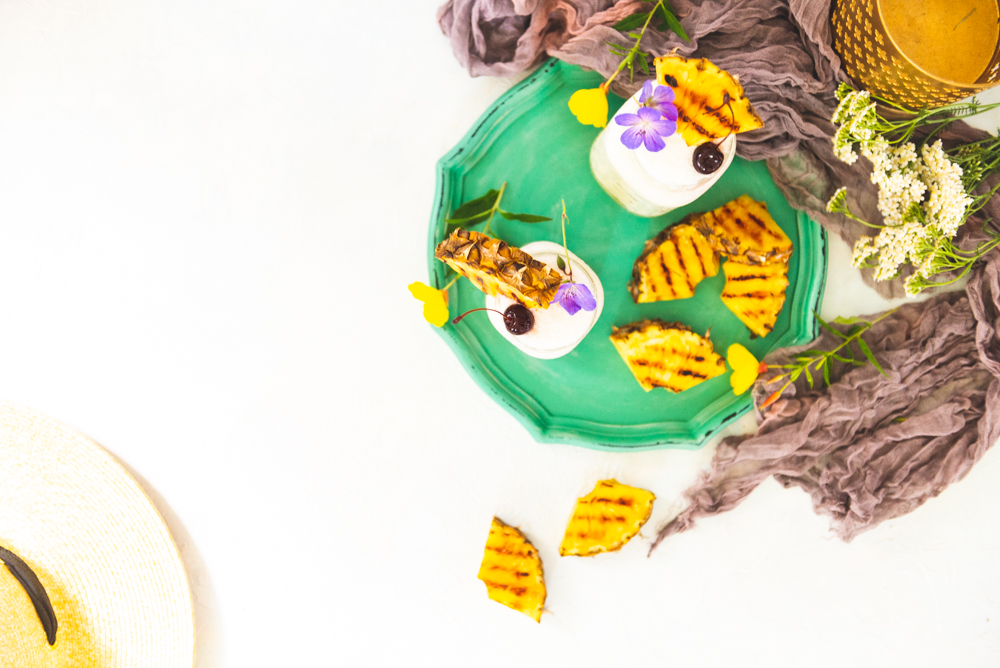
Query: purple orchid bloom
<point>575,296</point>
<point>647,127</point>
<point>660,98</point>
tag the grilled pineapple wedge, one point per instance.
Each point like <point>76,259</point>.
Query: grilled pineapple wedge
<point>667,355</point>
<point>512,571</point>
<point>496,267</point>
<point>701,92</point>
<point>744,231</point>
<point>755,293</point>
<point>672,264</point>
<point>606,519</point>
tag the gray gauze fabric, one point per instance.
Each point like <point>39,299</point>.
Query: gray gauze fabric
<point>868,448</point>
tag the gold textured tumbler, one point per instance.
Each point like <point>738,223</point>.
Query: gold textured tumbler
<point>919,53</point>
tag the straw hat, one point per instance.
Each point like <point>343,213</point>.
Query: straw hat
<point>99,548</point>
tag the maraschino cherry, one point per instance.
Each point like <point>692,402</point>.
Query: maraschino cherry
<point>517,318</point>
<point>708,157</point>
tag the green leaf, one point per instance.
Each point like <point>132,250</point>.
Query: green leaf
<point>474,208</point>
<point>825,325</point>
<point>795,374</point>
<point>468,222</point>
<point>523,217</point>
<point>631,22</point>
<point>560,263</point>
<point>643,63</point>
<point>850,320</point>
<point>826,373</point>
<point>871,358</point>
<point>809,377</point>
<point>668,20</point>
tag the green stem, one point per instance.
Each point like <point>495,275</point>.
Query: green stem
<point>818,359</point>
<point>635,48</point>
<point>496,205</point>
<point>450,283</point>
<point>565,246</point>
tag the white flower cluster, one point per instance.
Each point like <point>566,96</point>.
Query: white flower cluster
<point>945,207</point>
<point>922,201</point>
<point>858,121</point>
<point>896,172</point>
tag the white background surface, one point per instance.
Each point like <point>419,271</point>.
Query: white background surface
<point>210,214</point>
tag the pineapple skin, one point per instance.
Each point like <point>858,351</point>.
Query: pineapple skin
<point>667,355</point>
<point>606,519</point>
<point>512,570</point>
<point>496,267</point>
<point>701,89</point>
<point>672,264</point>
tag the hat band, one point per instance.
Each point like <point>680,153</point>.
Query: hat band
<point>36,592</point>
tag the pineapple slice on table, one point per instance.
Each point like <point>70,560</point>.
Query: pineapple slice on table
<point>512,570</point>
<point>671,265</point>
<point>704,95</point>
<point>606,519</point>
<point>497,267</point>
<point>667,355</point>
<point>755,293</point>
<point>743,230</point>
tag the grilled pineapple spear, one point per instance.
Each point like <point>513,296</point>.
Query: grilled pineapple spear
<point>512,570</point>
<point>744,231</point>
<point>704,95</point>
<point>667,355</point>
<point>496,267</point>
<point>606,519</point>
<point>755,293</point>
<point>672,264</point>
<point>756,268</point>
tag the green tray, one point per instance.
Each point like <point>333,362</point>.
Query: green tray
<point>529,139</point>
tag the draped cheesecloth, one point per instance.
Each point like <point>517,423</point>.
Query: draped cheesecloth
<point>868,448</point>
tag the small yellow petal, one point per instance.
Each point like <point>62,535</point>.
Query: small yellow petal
<point>745,368</point>
<point>590,106</point>
<point>435,303</point>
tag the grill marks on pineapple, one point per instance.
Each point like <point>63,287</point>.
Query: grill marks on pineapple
<point>667,355</point>
<point>701,90</point>
<point>755,294</point>
<point>671,265</point>
<point>679,257</point>
<point>512,570</point>
<point>606,519</point>
<point>744,231</point>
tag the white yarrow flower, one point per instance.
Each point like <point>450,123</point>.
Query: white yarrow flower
<point>945,207</point>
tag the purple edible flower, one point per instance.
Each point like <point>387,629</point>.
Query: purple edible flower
<point>660,98</point>
<point>647,127</point>
<point>575,296</point>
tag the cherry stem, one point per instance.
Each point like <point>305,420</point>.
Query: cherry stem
<point>459,318</point>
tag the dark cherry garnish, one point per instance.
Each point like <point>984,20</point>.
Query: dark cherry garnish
<point>517,318</point>
<point>708,158</point>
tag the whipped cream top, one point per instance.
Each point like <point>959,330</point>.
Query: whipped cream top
<point>555,332</point>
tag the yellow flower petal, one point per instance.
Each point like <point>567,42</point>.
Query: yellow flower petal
<point>590,106</point>
<point>745,368</point>
<point>435,303</point>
